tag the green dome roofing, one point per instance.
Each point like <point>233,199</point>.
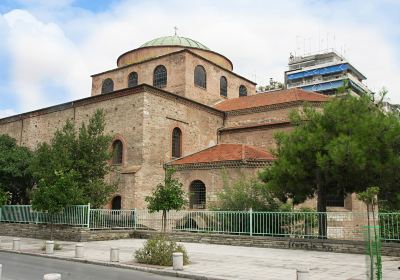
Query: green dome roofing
<point>174,41</point>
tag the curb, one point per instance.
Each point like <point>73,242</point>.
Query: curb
<point>178,274</point>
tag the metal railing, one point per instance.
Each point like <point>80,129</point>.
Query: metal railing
<point>295,224</point>
<point>73,215</point>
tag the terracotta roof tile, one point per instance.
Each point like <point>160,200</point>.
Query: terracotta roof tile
<point>226,152</point>
<point>270,98</point>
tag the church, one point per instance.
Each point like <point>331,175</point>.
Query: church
<point>174,102</point>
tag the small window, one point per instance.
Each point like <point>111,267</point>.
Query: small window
<point>200,76</point>
<point>160,76</point>
<point>242,91</point>
<point>116,203</point>
<point>335,199</point>
<point>197,192</point>
<point>108,86</point>
<point>223,87</point>
<point>132,79</point>
<point>176,143</point>
<point>117,152</point>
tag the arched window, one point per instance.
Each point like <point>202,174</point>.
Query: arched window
<point>176,143</point>
<point>132,79</point>
<point>223,87</point>
<point>200,76</point>
<point>117,152</point>
<point>116,203</point>
<point>197,192</point>
<point>242,91</point>
<point>160,76</point>
<point>108,86</point>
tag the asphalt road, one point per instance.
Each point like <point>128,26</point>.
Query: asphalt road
<point>23,267</point>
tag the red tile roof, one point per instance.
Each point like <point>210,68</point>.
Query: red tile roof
<point>270,98</point>
<point>226,152</point>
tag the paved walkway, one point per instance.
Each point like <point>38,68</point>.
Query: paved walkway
<point>229,262</point>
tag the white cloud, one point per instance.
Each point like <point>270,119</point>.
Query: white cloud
<point>42,56</point>
<point>6,113</point>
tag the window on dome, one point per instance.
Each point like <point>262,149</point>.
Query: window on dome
<point>176,143</point>
<point>160,76</point>
<point>117,152</point>
<point>223,87</point>
<point>200,76</point>
<point>197,195</point>
<point>107,86</point>
<point>242,91</point>
<point>132,79</point>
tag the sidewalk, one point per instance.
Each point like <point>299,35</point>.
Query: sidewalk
<point>227,262</point>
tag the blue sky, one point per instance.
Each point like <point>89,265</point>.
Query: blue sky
<point>49,48</point>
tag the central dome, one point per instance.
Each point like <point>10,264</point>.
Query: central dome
<point>174,41</point>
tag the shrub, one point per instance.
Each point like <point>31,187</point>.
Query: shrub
<point>158,251</point>
<point>56,247</point>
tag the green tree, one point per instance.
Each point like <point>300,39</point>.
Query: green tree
<point>167,196</point>
<point>81,157</point>
<point>63,191</point>
<point>243,193</point>
<point>15,177</point>
<point>348,146</point>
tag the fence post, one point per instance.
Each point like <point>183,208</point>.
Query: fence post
<point>37,217</point>
<point>251,221</point>
<point>88,216</point>
<point>134,218</point>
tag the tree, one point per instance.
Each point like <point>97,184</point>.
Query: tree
<point>80,158</point>
<point>352,144</point>
<point>169,196</point>
<point>54,197</point>
<point>243,193</point>
<point>15,177</point>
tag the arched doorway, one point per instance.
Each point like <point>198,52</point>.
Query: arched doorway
<point>197,193</point>
<point>116,203</point>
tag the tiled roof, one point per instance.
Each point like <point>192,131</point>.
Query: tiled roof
<point>226,152</point>
<point>270,98</point>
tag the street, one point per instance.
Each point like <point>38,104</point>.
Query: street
<point>23,267</point>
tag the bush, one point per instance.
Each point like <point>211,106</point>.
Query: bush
<point>158,250</point>
<point>57,247</point>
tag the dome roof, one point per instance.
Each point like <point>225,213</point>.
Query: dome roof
<point>174,41</point>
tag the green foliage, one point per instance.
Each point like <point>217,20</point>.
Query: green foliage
<point>158,251</point>
<point>243,194</point>
<point>369,196</point>
<point>16,180</point>
<point>74,163</point>
<point>57,247</point>
<point>350,145</point>
<point>167,196</point>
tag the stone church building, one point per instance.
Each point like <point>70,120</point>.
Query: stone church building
<point>173,101</point>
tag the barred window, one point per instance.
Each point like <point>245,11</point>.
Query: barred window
<point>160,76</point>
<point>132,79</point>
<point>197,192</point>
<point>107,86</point>
<point>176,143</point>
<point>242,91</point>
<point>200,76</point>
<point>117,152</point>
<point>116,203</point>
<point>335,199</point>
<point>223,87</point>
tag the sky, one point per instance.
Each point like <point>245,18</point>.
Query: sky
<point>49,48</point>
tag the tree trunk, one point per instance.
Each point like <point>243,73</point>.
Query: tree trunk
<point>321,208</point>
<point>164,220</point>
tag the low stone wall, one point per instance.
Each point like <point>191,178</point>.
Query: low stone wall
<point>43,231</point>
<point>338,246</point>
<point>80,234</point>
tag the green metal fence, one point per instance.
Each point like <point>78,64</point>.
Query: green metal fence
<point>73,215</point>
<point>295,224</point>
